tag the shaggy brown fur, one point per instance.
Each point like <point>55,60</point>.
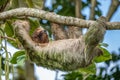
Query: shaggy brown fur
<point>67,54</point>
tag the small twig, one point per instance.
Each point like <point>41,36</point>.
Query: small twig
<point>4,6</point>
<point>6,37</point>
<point>113,7</point>
<point>92,9</point>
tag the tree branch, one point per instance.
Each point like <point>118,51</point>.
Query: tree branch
<point>54,18</point>
<point>78,8</point>
<point>6,37</point>
<point>92,9</point>
<point>113,7</point>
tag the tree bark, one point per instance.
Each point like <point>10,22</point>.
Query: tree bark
<point>92,9</point>
<point>113,7</point>
<point>29,69</point>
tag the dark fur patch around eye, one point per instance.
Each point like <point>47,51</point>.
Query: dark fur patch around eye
<point>40,35</point>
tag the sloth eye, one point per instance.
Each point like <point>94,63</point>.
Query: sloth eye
<point>40,34</point>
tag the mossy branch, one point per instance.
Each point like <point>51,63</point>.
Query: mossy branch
<point>54,18</point>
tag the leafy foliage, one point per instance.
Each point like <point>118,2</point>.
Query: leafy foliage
<point>8,29</point>
<point>18,57</point>
<point>91,69</point>
<point>34,23</point>
<point>26,3</point>
<point>2,2</point>
<point>67,7</point>
<point>73,76</point>
<point>106,56</point>
<point>2,62</point>
<point>21,59</point>
<point>64,7</point>
<point>81,76</point>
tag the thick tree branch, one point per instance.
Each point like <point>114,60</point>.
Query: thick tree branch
<point>67,54</point>
<point>113,7</point>
<point>54,18</point>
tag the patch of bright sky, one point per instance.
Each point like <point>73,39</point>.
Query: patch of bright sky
<point>44,74</point>
<point>48,4</point>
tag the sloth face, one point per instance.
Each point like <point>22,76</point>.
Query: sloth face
<point>40,36</point>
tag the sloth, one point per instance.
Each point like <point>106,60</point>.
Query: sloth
<point>67,54</point>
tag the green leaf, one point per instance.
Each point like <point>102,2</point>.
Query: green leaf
<point>73,76</point>
<point>18,3</point>
<point>21,59</point>
<point>14,4</point>
<point>2,2</point>
<point>93,77</point>
<point>10,32</point>
<point>106,56</point>
<point>26,3</point>
<point>16,55</point>
<point>2,34</point>
<point>34,23</point>
<point>8,29</point>
<point>15,43</point>
<point>29,3</point>
<point>38,4</point>
<point>103,44</point>
<point>91,69</point>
